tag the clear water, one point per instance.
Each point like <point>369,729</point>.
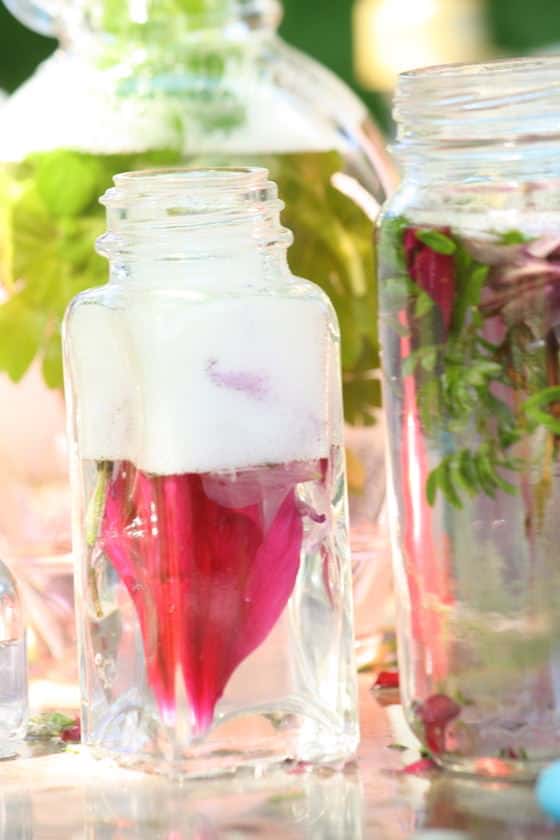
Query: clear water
<point>216,616</point>
<point>477,573</point>
<point>13,693</point>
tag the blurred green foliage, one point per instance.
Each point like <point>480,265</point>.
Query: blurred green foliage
<point>323,29</point>
<point>20,50</point>
<point>520,27</point>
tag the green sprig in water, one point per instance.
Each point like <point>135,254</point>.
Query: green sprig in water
<point>478,397</point>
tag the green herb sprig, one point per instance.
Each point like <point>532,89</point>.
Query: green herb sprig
<point>462,379</point>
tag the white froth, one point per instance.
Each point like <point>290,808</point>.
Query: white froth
<point>70,104</point>
<point>224,384</point>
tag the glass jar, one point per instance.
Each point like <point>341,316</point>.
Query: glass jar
<point>214,580</point>
<point>202,82</point>
<point>13,665</point>
<point>469,258</point>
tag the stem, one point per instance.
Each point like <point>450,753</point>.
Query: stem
<point>96,505</point>
<point>94,516</point>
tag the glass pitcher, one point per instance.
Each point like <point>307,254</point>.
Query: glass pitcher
<point>155,83</point>
<point>213,570</point>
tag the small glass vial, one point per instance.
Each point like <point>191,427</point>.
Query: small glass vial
<point>469,268</point>
<point>214,577</point>
<point>13,665</point>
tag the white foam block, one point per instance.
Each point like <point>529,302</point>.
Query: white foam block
<point>217,385</point>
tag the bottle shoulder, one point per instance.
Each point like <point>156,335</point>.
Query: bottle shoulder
<point>116,295</point>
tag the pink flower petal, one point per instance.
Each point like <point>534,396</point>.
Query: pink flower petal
<point>436,713</point>
<point>387,679</point>
<point>209,579</point>
<point>439,709</point>
<point>423,765</point>
<point>432,271</point>
<point>72,734</point>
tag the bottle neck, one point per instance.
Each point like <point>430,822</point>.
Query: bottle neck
<point>482,123</point>
<point>213,226</point>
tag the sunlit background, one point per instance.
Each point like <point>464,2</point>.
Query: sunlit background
<point>367,42</point>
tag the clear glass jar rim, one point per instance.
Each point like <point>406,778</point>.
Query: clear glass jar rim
<point>462,108</point>
<point>518,66</point>
<point>183,182</point>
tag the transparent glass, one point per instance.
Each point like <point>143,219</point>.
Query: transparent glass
<point>469,261</point>
<point>214,574</point>
<point>200,82</point>
<point>13,665</point>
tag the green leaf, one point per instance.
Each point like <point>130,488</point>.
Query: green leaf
<point>446,484</point>
<point>21,329</point>
<point>410,364</point>
<point>429,359</point>
<point>52,361</point>
<point>505,485</point>
<point>362,396</point>
<point>432,485</point>
<point>470,279</point>
<point>437,241</point>
<point>485,474</point>
<point>424,304</point>
<point>67,182</point>
<point>468,471</point>
<point>513,237</point>
<point>459,477</point>
<point>395,293</point>
<point>390,245</point>
<point>533,408</point>
<point>48,725</point>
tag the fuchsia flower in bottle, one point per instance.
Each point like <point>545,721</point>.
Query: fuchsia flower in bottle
<point>432,270</point>
<point>215,577</point>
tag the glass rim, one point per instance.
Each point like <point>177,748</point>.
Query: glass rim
<point>184,183</point>
<point>488,69</point>
<point>178,175</point>
<point>504,107</point>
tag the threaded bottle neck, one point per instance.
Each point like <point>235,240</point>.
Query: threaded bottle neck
<point>499,117</point>
<point>192,214</point>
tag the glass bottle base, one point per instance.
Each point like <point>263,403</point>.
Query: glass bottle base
<point>492,767</point>
<point>251,745</point>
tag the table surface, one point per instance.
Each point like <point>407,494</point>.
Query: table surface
<point>51,795</point>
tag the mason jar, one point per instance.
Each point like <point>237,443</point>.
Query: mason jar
<point>469,264</point>
<point>214,585</point>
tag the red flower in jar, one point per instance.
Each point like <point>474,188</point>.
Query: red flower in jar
<point>432,270</point>
<point>436,713</point>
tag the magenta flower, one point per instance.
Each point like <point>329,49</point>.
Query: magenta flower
<point>520,276</point>
<point>72,734</point>
<point>436,713</point>
<point>387,679</point>
<point>423,765</point>
<point>210,563</point>
<point>432,271</point>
